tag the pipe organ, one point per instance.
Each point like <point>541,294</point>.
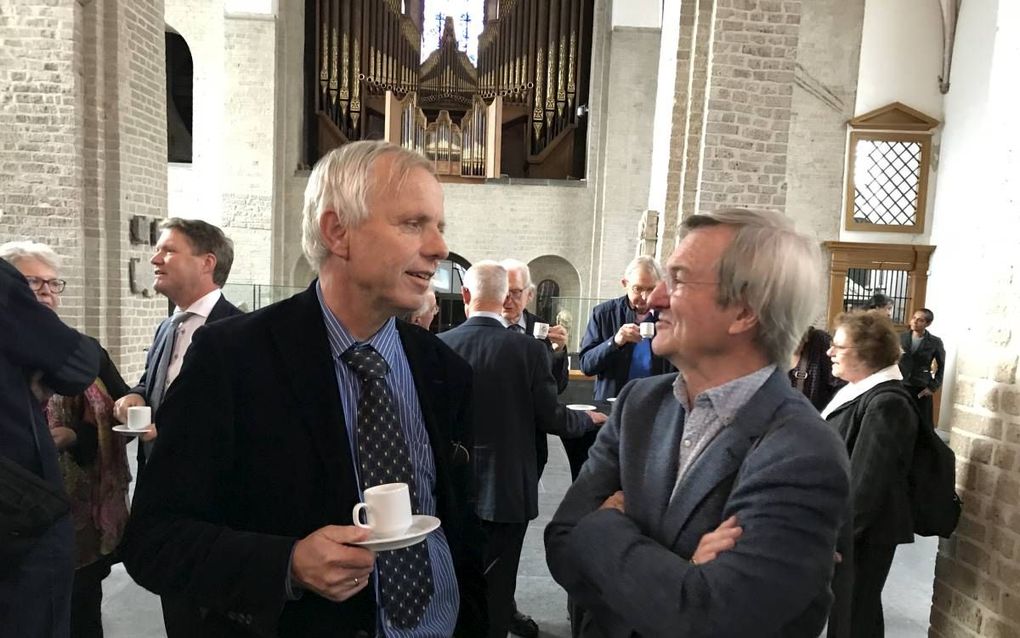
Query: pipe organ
<point>519,102</point>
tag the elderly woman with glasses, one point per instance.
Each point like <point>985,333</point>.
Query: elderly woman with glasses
<point>92,458</point>
<point>877,420</point>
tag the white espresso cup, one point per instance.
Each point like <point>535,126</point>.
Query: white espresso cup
<point>387,509</point>
<point>541,330</point>
<point>647,329</point>
<point>139,417</point>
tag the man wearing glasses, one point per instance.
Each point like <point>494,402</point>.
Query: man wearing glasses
<point>613,349</point>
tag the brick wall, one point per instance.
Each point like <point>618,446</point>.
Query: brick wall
<point>754,51</point>
<point>975,224</point>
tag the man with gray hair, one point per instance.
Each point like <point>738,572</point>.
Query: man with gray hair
<point>720,486</point>
<point>283,419</point>
<point>613,349</point>
<point>514,396</point>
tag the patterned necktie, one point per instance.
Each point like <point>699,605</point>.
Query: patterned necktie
<point>405,575</point>
<point>516,327</point>
<point>159,383</point>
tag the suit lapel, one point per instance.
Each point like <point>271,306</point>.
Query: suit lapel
<point>723,456</point>
<point>307,365</point>
<point>667,427</point>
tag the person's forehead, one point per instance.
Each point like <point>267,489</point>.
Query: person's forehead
<point>30,266</point>
<point>516,278</point>
<point>701,248</point>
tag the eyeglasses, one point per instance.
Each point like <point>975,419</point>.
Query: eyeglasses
<point>55,285</point>
<point>515,293</point>
<point>841,348</point>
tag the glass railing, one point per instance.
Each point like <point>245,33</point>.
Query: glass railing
<point>250,297</point>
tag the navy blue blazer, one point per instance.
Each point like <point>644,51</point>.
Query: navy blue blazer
<point>254,456</point>
<point>778,467</point>
<point>600,357</point>
<point>221,310</point>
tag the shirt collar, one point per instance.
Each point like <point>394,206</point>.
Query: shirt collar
<point>204,305</point>
<point>491,315</point>
<point>384,341</point>
<point>726,399</point>
<point>851,391</point>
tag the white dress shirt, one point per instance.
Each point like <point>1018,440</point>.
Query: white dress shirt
<point>186,330</point>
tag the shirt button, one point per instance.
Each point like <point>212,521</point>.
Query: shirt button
<point>687,443</point>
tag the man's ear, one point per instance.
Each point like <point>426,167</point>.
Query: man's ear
<point>209,264</point>
<point>335,236</point>
<point>623,282</point>
<point>744,320</point>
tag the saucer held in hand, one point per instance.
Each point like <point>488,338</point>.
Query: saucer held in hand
<point>421,526</point>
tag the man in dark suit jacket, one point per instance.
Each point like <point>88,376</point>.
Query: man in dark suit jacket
<point>246,509</point>
<point>613,350</point>
<point>36,350</point>
<point>514,397</point>
<point>920,349</point>
<point>711,501</point>
<point>192,262</point>
<point>522,320</point>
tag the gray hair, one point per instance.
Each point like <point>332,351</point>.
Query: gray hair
<point>516,265</point>
<point>487,281</point>
<point>646,263</point>
<point>340,183</point>
<point>770,267</point>
<point>15,251</point>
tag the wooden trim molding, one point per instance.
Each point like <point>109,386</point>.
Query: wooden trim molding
<point>912,258</point>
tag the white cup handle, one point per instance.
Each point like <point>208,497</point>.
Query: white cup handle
<point>356,514</point>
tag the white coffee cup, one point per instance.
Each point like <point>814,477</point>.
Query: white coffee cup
<point>387,509</point>
<point>647,329</point>
<point>139,417</point>
<point>541,330</point>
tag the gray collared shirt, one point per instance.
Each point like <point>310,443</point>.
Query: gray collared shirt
<point>713,410</point>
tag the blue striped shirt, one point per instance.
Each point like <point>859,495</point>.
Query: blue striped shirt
<point>440,617</point>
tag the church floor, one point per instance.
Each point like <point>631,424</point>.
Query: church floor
<point>131,612</point>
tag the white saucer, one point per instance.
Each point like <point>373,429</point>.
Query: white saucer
<point>580,406</point>
<point>611,399</point>
<point>123,429</point>
<point>421,526</point>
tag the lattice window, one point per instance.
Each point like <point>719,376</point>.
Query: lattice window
<point>888,166</point>
<point>886,180</point>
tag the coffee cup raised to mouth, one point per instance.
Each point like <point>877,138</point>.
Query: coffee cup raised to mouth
<point>387,510</point>
<point>139,417</point>
<point>647,329</point>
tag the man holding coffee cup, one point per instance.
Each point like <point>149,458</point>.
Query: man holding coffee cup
<point>191,264</point>
<point>617,345</point>
<point>514,398</point>
<point>282,420</point>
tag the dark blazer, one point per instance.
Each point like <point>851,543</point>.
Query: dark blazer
<point>880,429</point>
<point>221,310</point>
<point>560,363</point>
<point>916,366</point>
<point>514,396</point>
<point>776,467</point>
<point>35,574</point>
<point>255,456</point>
<point>560,371</point>
<point>601,357</point>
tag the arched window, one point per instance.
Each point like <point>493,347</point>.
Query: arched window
<point>179,97</point>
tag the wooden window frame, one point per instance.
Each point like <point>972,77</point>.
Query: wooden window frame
<point>895,122</point>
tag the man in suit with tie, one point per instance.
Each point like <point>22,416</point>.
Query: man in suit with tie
<point>514,396</point>
<point>519,319</point>
<point>283,417</point>
<point>191,264</point>
<point>920,349</point>
<point>723,457</point>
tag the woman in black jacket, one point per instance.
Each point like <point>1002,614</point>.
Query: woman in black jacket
<point>878,421</point>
